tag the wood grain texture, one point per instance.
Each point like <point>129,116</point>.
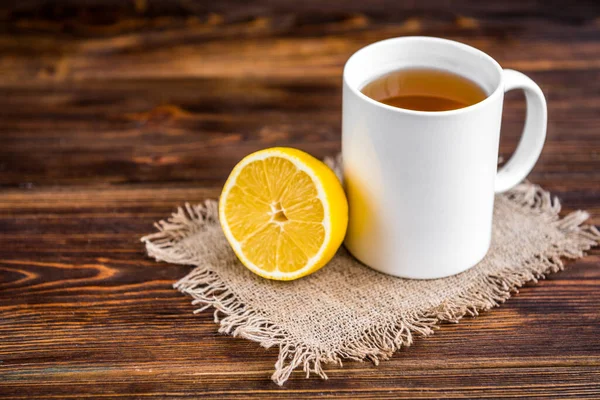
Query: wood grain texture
<point>112,113</point>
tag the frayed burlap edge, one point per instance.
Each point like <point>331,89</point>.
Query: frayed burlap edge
<point>207,289</point>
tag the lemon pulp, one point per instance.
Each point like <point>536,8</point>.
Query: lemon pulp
<point>284,213</point>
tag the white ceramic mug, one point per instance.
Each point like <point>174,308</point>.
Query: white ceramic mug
<point>420,184</point>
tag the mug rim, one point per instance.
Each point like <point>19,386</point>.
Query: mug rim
<point>495,92</point>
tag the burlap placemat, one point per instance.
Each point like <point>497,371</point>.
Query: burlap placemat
<point>349,311</point>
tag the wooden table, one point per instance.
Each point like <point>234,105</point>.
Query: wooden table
<point>112,113</point>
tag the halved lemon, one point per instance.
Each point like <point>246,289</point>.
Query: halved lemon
<point>284,213</point>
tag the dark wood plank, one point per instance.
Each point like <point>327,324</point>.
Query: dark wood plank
<point>85,313</point>
<point>195,130</point>
<point>113,113</point>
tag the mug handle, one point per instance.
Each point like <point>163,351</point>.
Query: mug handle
<point>532,140</point>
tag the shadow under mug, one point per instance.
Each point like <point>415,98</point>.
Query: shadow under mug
<point>420,184</point>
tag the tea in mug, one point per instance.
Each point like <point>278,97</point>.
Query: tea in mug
<point>424,89</point>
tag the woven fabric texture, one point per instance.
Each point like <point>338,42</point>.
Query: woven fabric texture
<point>349,311</point>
